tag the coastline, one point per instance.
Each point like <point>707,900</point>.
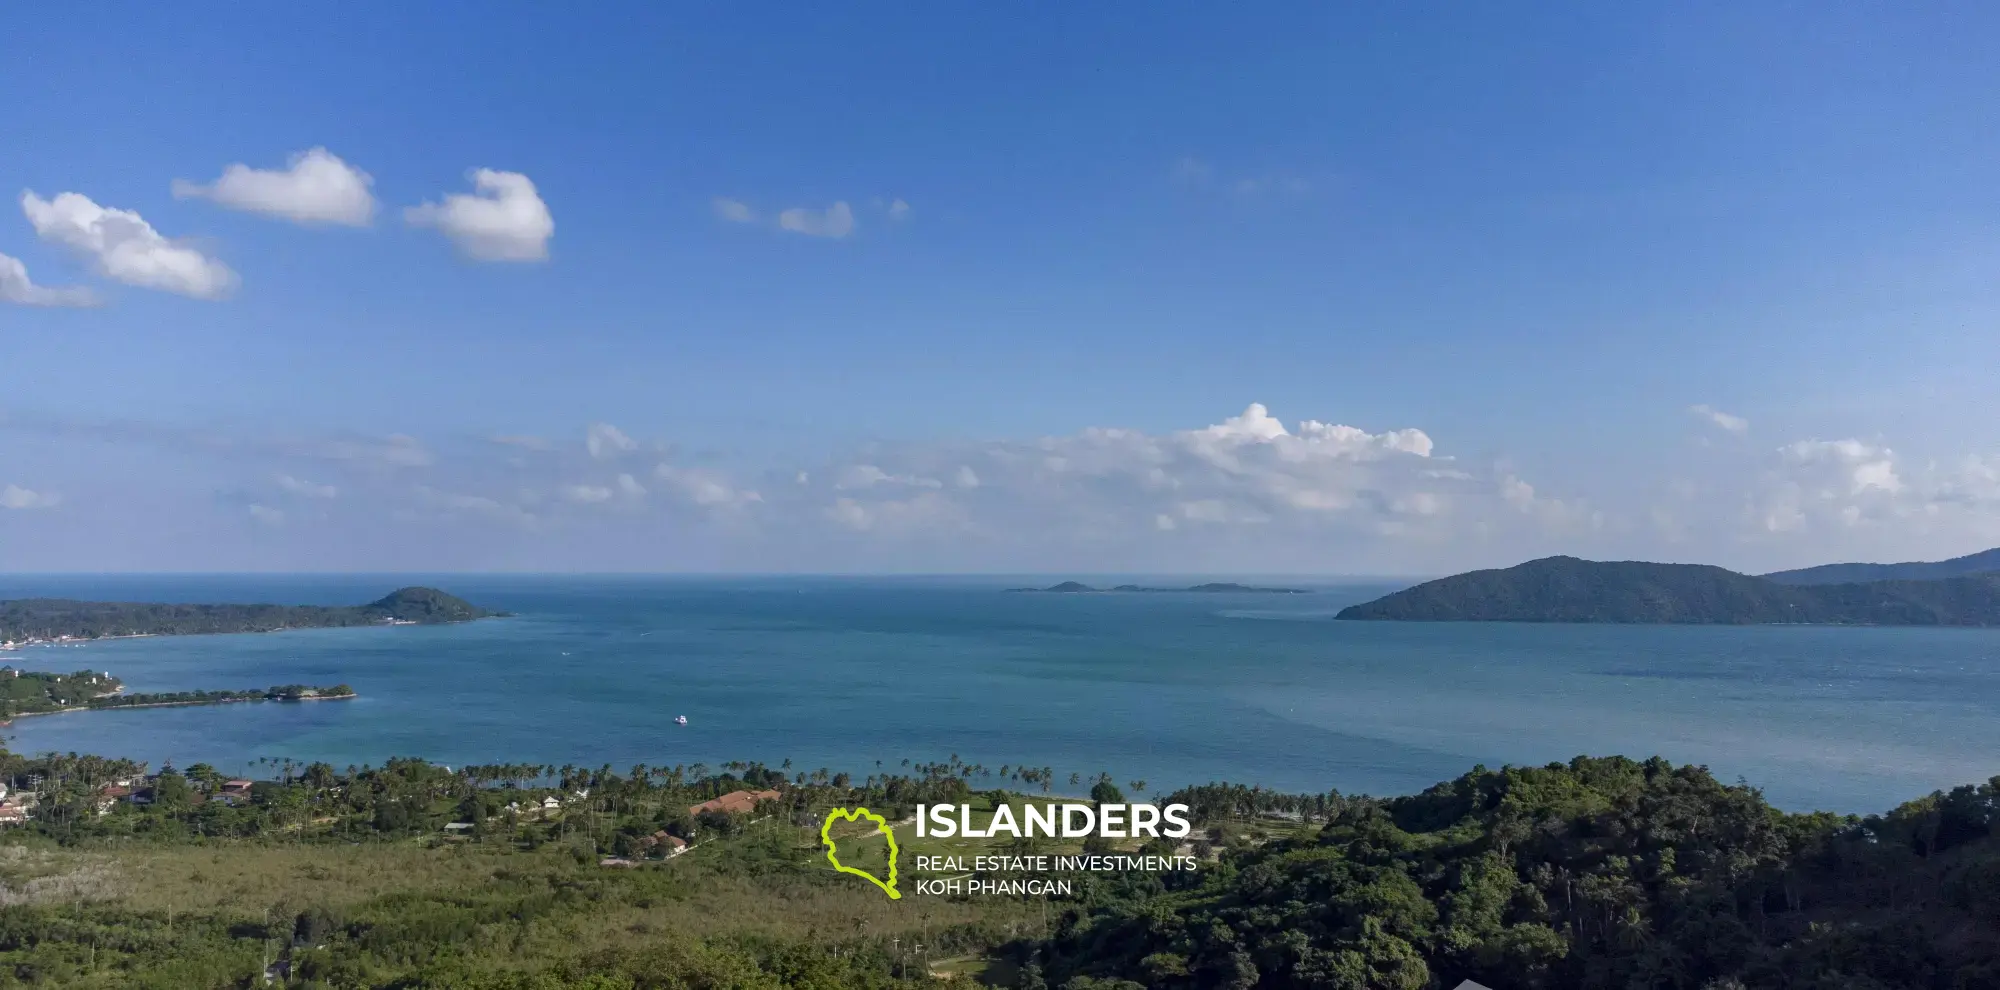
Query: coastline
<point>176,704</point>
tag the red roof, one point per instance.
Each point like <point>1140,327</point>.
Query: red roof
<point>736,803</point>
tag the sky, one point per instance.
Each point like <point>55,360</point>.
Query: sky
<point>1297,288</point>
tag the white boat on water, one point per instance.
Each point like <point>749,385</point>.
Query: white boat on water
<point>680,720</point>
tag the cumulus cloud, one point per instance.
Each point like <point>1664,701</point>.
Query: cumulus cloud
<point>15,287</point>
<point>16,497</point>
<point>734,211</point>
<point>899,210</point>
<point>504,219</point>
<point>314,187</point>
<point>267,515</point>
<point>1722,420</point>
<point>604,440</point>
<point>834,221</point>
<point>705,487</point>
<point>1247,472</point>
<point>1848,483</point>
<point>125,248</point>
<point>306,489</point>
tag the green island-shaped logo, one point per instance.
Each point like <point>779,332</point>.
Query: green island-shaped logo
<point>832,853</point>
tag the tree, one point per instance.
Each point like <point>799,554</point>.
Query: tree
<point>171,791</point>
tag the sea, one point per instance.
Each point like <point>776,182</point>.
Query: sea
<point>859,675</point>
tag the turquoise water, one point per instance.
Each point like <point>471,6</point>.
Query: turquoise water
<point>1167,688</point>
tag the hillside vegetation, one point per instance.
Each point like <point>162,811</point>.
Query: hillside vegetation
<point>1566,589</point>
<point>1598,873</point>
<point>53,618</point>
<point>1983,562</point>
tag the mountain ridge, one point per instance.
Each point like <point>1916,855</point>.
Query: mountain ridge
<point>1983,562</point>
<point>1569,589</point>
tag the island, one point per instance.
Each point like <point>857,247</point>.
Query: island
<point>33,621</point>
<point>27,692</point>
<point>1220,587</point>
<point>1566,589</point>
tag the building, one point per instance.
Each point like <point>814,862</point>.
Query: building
<point>668,845</point>
<point>735,803</point>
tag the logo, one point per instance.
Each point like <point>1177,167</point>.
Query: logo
<point>833,852</point>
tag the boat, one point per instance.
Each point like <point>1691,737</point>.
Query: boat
<point>680,719</point>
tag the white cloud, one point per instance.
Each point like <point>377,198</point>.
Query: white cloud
<point>834,221</point>
<point>587,494</point>
<point>704,487</point>
<point>630,486</point>
<point>859,476</point>
<point>1249,470</point>
<point>15,287</point>
<point>16,497</point>
<point>267,515</point>
<point>1859,467</point>
<point>315,186</point>
<point>504,220</point>
<point>734,211</point>
<point>126,248</point>
<point>604,440</point>
<point>1722,420</point>
<point>899,210</point>
<point>306,489</point>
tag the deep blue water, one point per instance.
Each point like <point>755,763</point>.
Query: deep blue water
<point>1167,688</point>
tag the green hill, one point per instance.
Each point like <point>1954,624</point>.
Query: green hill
<point>32,619</point>
<point>1983,562</point>
<point>1566,589</point>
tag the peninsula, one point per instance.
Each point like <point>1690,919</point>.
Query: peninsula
<point>1221,587</point>
<point>1566,589</point>
<point>26,692</point>
<point>32,621</point>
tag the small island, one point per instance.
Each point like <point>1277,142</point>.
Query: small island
<point>37,621</point>
<point>27,692</point>
<point>1218,587</point>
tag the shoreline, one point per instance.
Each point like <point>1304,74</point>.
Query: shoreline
<point>9,720</point>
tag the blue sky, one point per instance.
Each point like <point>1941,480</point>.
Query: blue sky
<point>1556,242</point>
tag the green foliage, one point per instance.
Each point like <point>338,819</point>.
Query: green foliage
<point>1565,589</point>
<point>1597,873</point>
<point>52,618</point>
<point>26,692</point>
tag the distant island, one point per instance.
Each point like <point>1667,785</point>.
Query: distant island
<point>26,692</point>
<point>1983,562</point>
<point>31,621</point>
<point>1566,589</point>
<point>1077,587</point>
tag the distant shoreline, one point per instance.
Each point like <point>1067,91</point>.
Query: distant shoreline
<point>175,704</point>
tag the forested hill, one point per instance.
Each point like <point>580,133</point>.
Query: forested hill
<point>1601,873</point>
<point>1983,562</point>
<point>1565,589</point>
<point>29,619</point>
